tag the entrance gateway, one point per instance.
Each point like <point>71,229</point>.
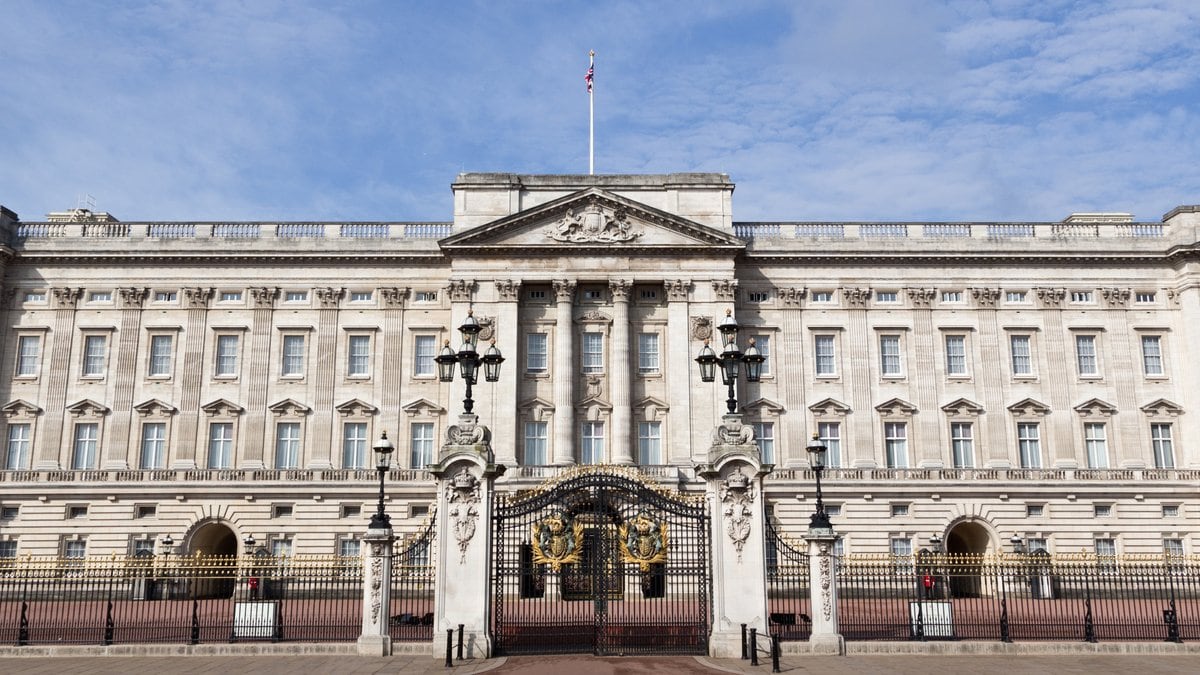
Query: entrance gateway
<point>601,563</point>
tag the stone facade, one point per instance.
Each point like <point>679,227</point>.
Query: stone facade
<point>211,381</point>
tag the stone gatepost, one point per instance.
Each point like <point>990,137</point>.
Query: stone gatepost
<point>734,472</point>
<point>377,593</point>
<point>822,574</point>
<point>466,473</point>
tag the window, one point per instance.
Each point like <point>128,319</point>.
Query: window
<point>1106,555</point>
<point>1096,442</point>
<point>75,551</point>
<point>35,296</point>
<point>826,363</point>
<point>956,355</point>
<point>421,444</point>
<point>1161,443</point>
<point>535,444</point>
<point>962,444</point>
<point>424,347</point>
<point>84,449</point>
<point>650,443</point>
<point>592,447</point>
<point>29,355</point>
<point>281,547</point>
<point>1081,296</point>
<point>1102,510</point>
<point>358,356</point>
<point>425,296</point>
<point>287,445</point>
<point>1085,355</point>
<point>764,436</point>
<point>1144,297</point>
<point>351,511</point>
<point>361,296</point>
<point>94,349</point>
<point>348,548</point>
<point>830,435</point>
<point>1170,510</point>
<point>1019,348</point>
<point>9,512</point>
<point>899,510</point>
<point>1173,548</point>
<point>220,445</point>
<point>1029,445</point>
<point>8,554</point>
<point>833,510</point>
<point>1035,510</point>
<point>593,352</point>
<point>1014,296</point>
<point>952,296</point>
<point>902,552</point>
<point>593,294</point>
<point>1033,544</point>
<point>1152,355</point>
<point>895,439</point>
<point>889,355</point>
<point>18,447</point>
<point>758,296</point>
<point>354,445</point>
<point>823,297</point>
<point>535,353</point>
<point>293,356</point>
<point>647,353</point>
<point>142,511</point>
<point>887,297</point>
<point>231,296</point>
<point>282,511</point>
<point>154,445</point>
<point>165,296</point>
<point>160,355</point>
<point>536,294</point>
<point>100,296</point>
<point>763,342</point>
<point>295,296</point>
<point>74,512</point>
<point>648,294</point>
<point>227,356</point>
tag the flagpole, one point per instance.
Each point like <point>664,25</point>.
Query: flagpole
<point>591,114</point>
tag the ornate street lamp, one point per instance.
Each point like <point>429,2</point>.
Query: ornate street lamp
<point>468,359</point>
<point>816,459</point>
<point>167,543</point>
<point>383,456</point>
<point>249,543</point>
<point>730,360</point>
<point>1018,544</point>
<point>936,542</point>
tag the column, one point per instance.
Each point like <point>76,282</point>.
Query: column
<point>130,300</point>
<point>375,639</point>
<point>622,413</point>
<point>190,376</point>
<point>259,355</point>
<point>324,374</point>
<point>50,445</point>
<point>563,439</point>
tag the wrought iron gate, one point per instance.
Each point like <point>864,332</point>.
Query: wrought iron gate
<point>601,563</point>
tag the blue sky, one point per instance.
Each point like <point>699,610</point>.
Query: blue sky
<point>366,110</point>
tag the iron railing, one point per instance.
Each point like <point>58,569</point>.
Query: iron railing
<point>788,595</point>
<point>414,573</point>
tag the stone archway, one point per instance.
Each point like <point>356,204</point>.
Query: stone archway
<point>967,542</point>
<point>211,548</point>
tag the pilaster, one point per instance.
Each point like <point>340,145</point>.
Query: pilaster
<point>995,429</point>
<point>792,371</point>
<point>678,359</point>
<point>50,443</point>
<point>116,452</point>
<point>508,339</point>
<point>1123,372</point>
<point>392,351</point>
<point>324,377</point>
<point>858,367</point>
<point>196,300</point>
<point>1061,358</point>
<point>562,443</point>
<point>259,355</point>
<point>619,383</point>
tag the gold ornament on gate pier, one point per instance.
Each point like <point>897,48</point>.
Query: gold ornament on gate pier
<point>557,541</point>
<point>643,542</point>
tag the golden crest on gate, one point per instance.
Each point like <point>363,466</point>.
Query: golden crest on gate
<point>557,541</point>
<point>643,541</point>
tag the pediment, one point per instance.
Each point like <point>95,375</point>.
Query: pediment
<point>422,406</point>
<point>829,406</point>
<point>356,406</point>
<point>589,219</point>
<point>154,407</point>
<point>222,408</point>
<point>896,406</point>
<point>764,405</point>
<point>20,408</point>
<point>537,409</point>
<point>289,406</point>
<point>962,406</point>
<point>87,408</point>
<point>1162,408</point>
<point>650,407</point>
<point>593,409</point>
<point>1029,406</point>
<point>1095,407</point>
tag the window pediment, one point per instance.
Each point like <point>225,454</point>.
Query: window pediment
<point>829,407</point>
<point>536,409</point>
<point>289,406</point>
<point>1096,408</point>
<point>651,408</point>
<point>20,408</point>
<point>963,407</point>
<point>87,408</point>
<point>1162,408</point>
<point>155,408</point>
<point>421,407</point>
<point>896,407</point>
<point>1029,408</point>
<point>222,408</point>
<point>764,406</point>
<point>356,407</point>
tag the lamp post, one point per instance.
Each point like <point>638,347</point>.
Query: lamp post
<point>383,455</point>
<point>468,359</point>
<point>730,360</point>
<point>168,544</point>
<point>1018,544</point>
<point>935,540</point>
<point>816,459</point>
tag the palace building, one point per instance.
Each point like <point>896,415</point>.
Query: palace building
<point>973,381</point>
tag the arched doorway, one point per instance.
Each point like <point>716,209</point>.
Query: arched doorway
<point>967,543</point>
<point>211,550</point>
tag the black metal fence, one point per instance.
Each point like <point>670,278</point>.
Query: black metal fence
<point>1019,598</point>
<point>413,578</point>
<point>788,598</point>
<point>177,599</point>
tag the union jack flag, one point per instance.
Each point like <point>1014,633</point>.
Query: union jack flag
<point>588,78</point>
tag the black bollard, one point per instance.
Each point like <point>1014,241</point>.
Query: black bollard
<point>754,646</point>
<point>775,654</point>
<point>449,647</point>
<point>744,654</point>
<point>460,635</point>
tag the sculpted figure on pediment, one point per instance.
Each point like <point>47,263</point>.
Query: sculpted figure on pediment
<point>593,224</point>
